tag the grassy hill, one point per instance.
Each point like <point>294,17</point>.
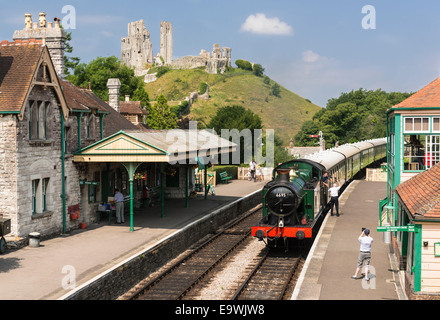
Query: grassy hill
<point>284,114</point>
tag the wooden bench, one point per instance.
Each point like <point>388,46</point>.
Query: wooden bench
<point>224,177</point>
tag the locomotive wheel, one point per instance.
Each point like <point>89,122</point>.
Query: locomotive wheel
<point>2,245</point>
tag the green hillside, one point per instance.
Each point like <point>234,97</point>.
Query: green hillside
<point>284,114</point>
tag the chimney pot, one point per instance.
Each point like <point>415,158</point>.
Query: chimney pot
<point>127,97</point>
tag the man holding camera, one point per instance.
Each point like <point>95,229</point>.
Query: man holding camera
<point>365,252</point>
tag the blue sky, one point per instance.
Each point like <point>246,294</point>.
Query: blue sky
<point>317,49</point>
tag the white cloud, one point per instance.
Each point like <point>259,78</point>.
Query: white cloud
<point>260,24</point>
<point>310,56</point>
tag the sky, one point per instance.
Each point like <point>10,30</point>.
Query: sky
<point>317,49</point>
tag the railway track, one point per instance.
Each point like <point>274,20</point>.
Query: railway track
<point>271,278</point>
<point>178,279</point>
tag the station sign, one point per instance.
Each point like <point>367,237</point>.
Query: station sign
<point>408,228</point>
<point>93,183</point>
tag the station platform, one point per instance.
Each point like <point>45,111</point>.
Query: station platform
<point>327,272</point>
<point>38,273</point>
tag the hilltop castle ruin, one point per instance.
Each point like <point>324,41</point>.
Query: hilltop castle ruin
<point>137,51</point>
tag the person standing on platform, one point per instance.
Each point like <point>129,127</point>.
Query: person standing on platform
<point>253,167</point>
<point>145,196</point>
<point>365,252</point>
<point>119,199</point>
<point>334,198</point>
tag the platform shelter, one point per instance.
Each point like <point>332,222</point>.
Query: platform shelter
<point>177,152</point>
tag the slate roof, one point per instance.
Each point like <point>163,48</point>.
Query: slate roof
<point>421,193</point>
<point>80,99</point>
<point>17,67</point>
<point>84,99</point>
<point>131,107</point>
<point>427,97</point>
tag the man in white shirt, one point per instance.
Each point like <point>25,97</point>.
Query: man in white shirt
<point>334,198</point>
<point>119,199</point>
<point>253,167</point>
<point>365,252</point>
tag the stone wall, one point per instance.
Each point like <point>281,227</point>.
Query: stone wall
<point>39,159</point>
<point>8,169</point>
<point>26,160</point>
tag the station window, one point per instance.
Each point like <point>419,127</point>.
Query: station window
<point>421,152</point>
<point>37,120</point>
<point>436,124</point>
<point>40,189</point>
<point>416,124</point>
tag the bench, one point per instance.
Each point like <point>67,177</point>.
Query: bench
<point>224,177</point>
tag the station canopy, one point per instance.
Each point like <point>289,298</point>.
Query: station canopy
<point>156,146</point>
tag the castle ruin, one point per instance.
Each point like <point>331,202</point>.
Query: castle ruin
<point>137,52</point>
<point>136,48</point>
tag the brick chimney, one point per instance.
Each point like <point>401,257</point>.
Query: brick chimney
<point>52,36</point>
<point>113,86</point>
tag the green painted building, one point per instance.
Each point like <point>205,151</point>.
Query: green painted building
<point>413,147</point>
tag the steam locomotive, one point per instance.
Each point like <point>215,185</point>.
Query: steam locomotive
<point>295,200</point>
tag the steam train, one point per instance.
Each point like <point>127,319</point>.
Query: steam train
<point>295,200</point>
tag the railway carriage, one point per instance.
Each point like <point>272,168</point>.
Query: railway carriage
<point>295,199</point>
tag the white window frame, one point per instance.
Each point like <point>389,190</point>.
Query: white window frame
<point>413,130</point>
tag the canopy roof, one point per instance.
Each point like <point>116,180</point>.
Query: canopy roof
<point>155,146</point>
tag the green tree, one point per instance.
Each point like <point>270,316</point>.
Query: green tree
<point>99,70</point>
<point>141,95</point>
<point>235,117</point>
<point>258,70</point>
<point>243,64</point>
<point>70,63</point>
<point>353,116</point>
<point>160,116</point>
<point>276,90</point>
<point>239,118</point>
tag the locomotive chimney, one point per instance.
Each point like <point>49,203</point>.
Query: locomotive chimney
<point>283,175</point>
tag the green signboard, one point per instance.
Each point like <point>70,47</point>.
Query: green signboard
<point>94,183</point>
<point>408,228</point>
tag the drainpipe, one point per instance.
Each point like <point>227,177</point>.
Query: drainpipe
<point>79,130</point>
<point>63,181</point>
<point>101,126</point>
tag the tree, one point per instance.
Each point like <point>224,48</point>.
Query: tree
<point>353,116</point>
<point>160,115</point>
<point>141,95</point>
<point>258,70</point>
<point>235,117</point>
<point>70,63</point>
<point>243,64</point>
<point>99,70</point>
<point>275,91</point>
<point>239,118</point>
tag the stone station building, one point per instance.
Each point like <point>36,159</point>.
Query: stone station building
<point>47,125</point>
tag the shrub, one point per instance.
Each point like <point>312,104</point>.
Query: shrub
<point>243,64</point>
<point>258,70</point>
<point>202,87</point>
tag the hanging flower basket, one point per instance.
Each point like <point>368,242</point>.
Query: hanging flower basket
<point>140,176</point>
